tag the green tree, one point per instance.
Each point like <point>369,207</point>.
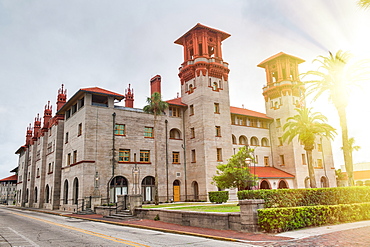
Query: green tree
<point>307,126</point>
<point>335,77</point>
<point>236,173</point>
<point>156,107</point>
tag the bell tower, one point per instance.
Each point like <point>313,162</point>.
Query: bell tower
<point>205,89</point>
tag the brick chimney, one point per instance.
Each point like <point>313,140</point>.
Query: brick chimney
<point>155,84</point>
<point>129,97</point>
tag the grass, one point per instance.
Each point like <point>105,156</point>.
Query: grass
<point>201,207</point>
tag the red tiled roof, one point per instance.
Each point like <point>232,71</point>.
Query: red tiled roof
<point>201,26</point>
<point>269,172</point>
<point>176,101</point>
<point>262,64</point>
<point>101,91</point>
<point>360,175</point>
<point>242,111</point>
<point>11,178</point>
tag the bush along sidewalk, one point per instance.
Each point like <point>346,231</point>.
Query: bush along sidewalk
<point>218,196</point>
<point>285,219</point>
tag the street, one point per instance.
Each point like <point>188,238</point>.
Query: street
<point>29,228</point>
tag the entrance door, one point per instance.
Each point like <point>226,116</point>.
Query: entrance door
<point>176,191</point>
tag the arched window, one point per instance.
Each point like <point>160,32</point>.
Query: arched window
<point>148,188</point>
<point>65,198</point>
<point>233,139</point>
<point>265,185</point>
<point>265,142</point>
<point>307,182</point>
<point>367,182</point>
<point>195,187</point>
<point>118,186</point>
<point>243,140</point>
<point>27,195</point>
<point>35,194</point>
<point>75,191</point>
<point>359,183</point>
<point>254,141</point>
<point>283,185</point>
<point>47,194</point>
<point>215,86</point>
<point>324,182</point>
<point>175,134</point>
<point>191,88</point>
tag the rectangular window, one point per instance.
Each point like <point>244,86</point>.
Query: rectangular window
<point>218,131</point>
<point>191,110</point>
<point>79,129</point>
<point>319,147</point>
<point>263,124</point>
<point>253,122</point>
<point>68,114</point>
<point>145,156</point>
<point>282,160</point>
<point>304,161</point>
<point>50,147</point>
<point>148,132</point>
<point>176,157</point>
<point>217,108</point>
<point>278,123</point>
<point>74,108</point>
<point>219,154</point>
<point>192,132</point>
<point>319,163</point>
<point>68,159</point>
<point>174,111</point>
<point>193,156</point>
<point>75,157</point>
<point>124,155</point>
<point>81,103</point>
<point>266,161</point>
<point>67,137</point>
<point>119,129</point>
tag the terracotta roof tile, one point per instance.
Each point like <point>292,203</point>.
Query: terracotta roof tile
<point>101,91</point>
<point>201,26</point>
<point>262,64</point>
<point>11,178</point>
<point>242,111</point>
<point>269,172</point>
<point>176,101</point>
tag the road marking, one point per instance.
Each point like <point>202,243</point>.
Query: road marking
<point>13,240</point>
<point>100,235</point>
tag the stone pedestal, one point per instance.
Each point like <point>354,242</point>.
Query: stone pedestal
<point>248,214</point>
<point>134,201</point>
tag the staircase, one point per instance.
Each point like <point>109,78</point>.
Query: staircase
<point>122,215</point>
<point>86,212</point>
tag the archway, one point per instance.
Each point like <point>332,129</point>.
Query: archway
<point>243,140</point>
<point>324,182</point>
<point>35,194</point>
<point>195,190</point>
<point>148,188</point>
<point>176,190</point>
<point>265,185</point>
<point>47,194</point>
<point>283,185</point>
<point>75,191</point>
<point>118,186</point>
<point>65,192</point>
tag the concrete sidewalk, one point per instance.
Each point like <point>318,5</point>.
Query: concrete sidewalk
<point>226,235</point>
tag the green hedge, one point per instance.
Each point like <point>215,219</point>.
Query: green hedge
<point>285,219</point>
<point>308,197</point>
<point>218,196</point>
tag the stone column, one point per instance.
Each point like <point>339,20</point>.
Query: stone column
<point>248,214</point>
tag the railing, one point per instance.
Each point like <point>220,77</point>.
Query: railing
<point>80,205</point>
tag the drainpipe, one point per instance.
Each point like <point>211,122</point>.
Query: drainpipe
<point>166,127</point>
<point>113,148</point>
<point>184,148</point>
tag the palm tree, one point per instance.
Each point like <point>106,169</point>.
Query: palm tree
<point>364,3</point>
<point>335,77</point>
<point>156,107</point>
<point>307,126</point>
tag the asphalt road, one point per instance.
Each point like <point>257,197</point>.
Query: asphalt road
<point>28,228</point>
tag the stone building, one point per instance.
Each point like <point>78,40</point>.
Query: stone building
<point>96,148</point>
<point>8,188</point>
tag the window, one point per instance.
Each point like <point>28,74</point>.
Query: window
<point>219,154</point>
<point>319,147</point>
<point>50,168</point>
<point>233,139</point>
<point>263,124</point>
<point>124,155</point>
<point>280,141</point>
<point>253,122</point>
<point>217,108</point>
<point>68,159</point>
<point>75,157</point>
<point>148,132</point>
<point>119,129</point>
<point>193,156</point>
<point>304,159</point>
<point>145,156</point>
<point>218,131</point>
<point>174,111</point>
<point>74,108</point>
<point>282,161</point>
<point>38,172</point>
<point>266,161</point>
<point>278,123</point>
<point>243,140</point>
<point>81,103</point>
<point>79,129</point>
<point>175,134</point>
<point>191,110</point>
<point>215,86</point>
<point>192,132</point>
<point>265,142</point>
<point>319,163</point>
<point>67,137</point>
<point>254,141</point>
<point>50,147</point>
<point>68,114</point>
<point>175,157</point>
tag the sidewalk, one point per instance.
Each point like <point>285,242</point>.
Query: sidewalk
<point>226,235</point>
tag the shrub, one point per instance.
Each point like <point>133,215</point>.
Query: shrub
<point>308,197</point>
<point>285,219</point>
<point>218,196</point>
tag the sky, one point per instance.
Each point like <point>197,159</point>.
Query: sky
<point>111,44</point>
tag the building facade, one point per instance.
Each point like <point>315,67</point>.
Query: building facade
<point>8,188</point>
<point>95,147</point>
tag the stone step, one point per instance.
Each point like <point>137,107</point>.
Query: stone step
<point>86,212</point>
